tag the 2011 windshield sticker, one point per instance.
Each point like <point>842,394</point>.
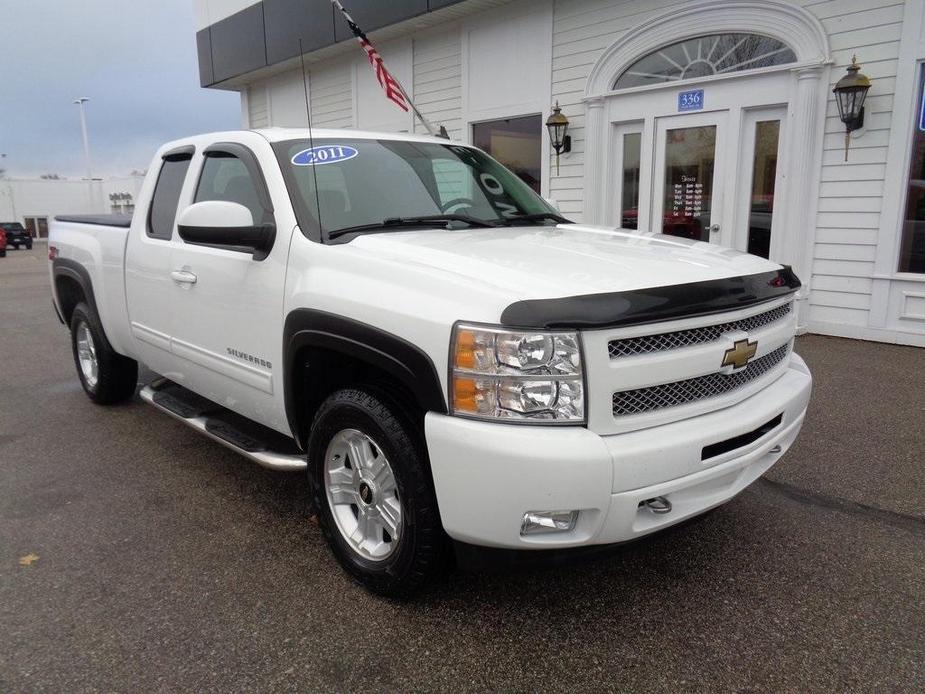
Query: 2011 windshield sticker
<point>324,154</point>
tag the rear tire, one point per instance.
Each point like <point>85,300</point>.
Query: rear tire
<point>107,377</point>
<point>376,506</point>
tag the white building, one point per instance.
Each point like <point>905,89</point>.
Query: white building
<point>33,201</point>
<point>713,119</point>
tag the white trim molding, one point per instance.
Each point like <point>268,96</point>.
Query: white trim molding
<point>774,18</point>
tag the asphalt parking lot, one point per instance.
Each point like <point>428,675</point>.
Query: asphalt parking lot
<point>137,556</point>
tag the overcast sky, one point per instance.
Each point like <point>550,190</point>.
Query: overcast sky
<point>135,59</point>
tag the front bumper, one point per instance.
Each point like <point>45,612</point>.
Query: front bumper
<point>488,475</point>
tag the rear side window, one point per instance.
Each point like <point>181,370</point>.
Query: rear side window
<point>166,197</point>
<point>225,177</point>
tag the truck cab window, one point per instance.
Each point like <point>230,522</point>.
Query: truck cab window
<point>225,177</point>
<point>166,196</point>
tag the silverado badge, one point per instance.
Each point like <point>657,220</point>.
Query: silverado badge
<point>740,353</point>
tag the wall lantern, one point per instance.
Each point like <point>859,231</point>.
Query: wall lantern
<point>561,141</point>
<point>850,92</point>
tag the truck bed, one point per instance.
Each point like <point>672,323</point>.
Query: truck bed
<point>91,250</point>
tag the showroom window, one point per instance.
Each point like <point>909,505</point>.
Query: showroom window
<point>516,143</point>
<point>912,249</point>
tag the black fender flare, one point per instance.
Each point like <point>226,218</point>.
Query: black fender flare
<point>310,328</point>
<point>65,267</point>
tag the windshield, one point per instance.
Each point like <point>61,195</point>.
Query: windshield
<point>12,227</point>
<point>363,183</point>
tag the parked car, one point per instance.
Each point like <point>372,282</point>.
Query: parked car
<point>2,244</point>
<point>16,235</point>
<point>455,364</point>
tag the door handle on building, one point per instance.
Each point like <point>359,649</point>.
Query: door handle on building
<point>183,277</point>
<point>714,228</point>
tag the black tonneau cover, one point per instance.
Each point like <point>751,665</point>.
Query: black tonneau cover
<point>109,220</point>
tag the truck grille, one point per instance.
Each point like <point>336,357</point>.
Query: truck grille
<point>632,346</point>
<point>629,402</point>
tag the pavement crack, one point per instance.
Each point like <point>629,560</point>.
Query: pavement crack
<point>904,521</point>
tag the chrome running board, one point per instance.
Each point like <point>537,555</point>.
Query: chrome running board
<point>206,417</point>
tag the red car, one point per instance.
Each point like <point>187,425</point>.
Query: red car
<point>2,244</point>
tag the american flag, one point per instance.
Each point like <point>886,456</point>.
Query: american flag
<point>389,84</point>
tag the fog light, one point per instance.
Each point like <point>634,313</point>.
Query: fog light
<point>536,522</point>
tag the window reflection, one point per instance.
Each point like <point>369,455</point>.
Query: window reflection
<point>629,204</point>
<point>764,173</point>
<point>690,154</point>
<point>516,143</point>
<point>912,250</point>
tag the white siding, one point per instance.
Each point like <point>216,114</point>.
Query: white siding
<point>438,81</point>
<point>374,111</point>
<point>258,106</point>
<point>848,220</point>
<point>287,100</point>
<point>332,94</point>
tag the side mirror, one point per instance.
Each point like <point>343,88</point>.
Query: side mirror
<point>225,225</point>
<point>552,202</point>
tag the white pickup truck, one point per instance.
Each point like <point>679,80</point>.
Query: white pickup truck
<point>456,366</point>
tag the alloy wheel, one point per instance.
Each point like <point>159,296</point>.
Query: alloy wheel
<point>86,356</point>
<point>362,494</point>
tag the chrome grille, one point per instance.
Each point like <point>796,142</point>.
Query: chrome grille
<point>694,336</point>
<point>628,402</point>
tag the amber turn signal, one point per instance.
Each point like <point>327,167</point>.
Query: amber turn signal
<point>465,350</point>
<point>464,394</point>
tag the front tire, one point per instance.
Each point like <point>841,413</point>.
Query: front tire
<point>107,377</point>
<point>376,506</point>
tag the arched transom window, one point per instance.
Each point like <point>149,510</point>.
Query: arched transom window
<point>703,56</point>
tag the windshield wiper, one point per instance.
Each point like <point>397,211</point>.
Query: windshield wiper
<point>537,217</point>
<point>398,222</point>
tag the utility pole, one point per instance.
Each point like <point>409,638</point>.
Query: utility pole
<point>83,129</point>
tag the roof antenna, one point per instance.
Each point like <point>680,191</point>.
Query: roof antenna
<point>311,140</point>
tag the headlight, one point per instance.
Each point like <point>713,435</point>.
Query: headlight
<point>514,375</point>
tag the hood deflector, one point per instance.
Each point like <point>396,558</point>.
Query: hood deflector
<point>654,304</point>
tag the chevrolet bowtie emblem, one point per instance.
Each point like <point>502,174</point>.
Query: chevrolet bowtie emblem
<point>740,353</point>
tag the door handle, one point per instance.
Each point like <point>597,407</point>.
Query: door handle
<point>183,277</point>
<point>714,228</point>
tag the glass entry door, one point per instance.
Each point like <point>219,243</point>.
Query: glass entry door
<point>757,218</point>
<point>688,175</point>
<point>704,176</point>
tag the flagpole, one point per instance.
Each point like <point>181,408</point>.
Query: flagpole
<point>427,124</point>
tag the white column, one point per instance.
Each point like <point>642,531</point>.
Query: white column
<point>803,171</point>
<point>595,149</point>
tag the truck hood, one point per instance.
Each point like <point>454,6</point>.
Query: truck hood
<point>566,260</point>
